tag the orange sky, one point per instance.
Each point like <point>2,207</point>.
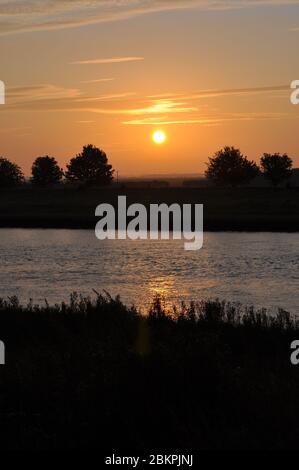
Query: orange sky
<point>112,73</point>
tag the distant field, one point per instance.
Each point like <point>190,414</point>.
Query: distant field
<point>251,209</point>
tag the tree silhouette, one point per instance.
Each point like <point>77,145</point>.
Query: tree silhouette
<point>276,167</point>
<point>45,172</point>
<point>230,167</point>
<point>90,167</point>
<point>10,174</point>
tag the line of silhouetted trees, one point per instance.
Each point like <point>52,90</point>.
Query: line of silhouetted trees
<point>227,167</point>
<point>90,167</point>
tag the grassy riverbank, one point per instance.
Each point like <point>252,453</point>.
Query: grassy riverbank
<point>245,209</point>
<point>99,375</point>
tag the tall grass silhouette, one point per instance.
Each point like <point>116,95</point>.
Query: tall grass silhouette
<point>94,373</point>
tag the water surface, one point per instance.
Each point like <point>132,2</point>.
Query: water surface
<point>260,269</point>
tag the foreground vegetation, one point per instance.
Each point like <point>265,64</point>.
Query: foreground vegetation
<point>96,374</point>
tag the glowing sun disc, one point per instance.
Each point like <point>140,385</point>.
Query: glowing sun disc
<point>159,137</point>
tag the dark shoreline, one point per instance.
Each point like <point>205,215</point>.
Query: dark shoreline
<point>239,209</point>
<point>88,225</point>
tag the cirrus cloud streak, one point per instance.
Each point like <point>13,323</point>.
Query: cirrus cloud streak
<point>31,15</point>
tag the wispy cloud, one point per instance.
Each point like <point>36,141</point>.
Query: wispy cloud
<point>27,15</point>
<point>235,91</point>
<point>111,60</point>
<point>156,121</point>
<point>207,120</point>
<point>108,97</point>
<point>32,93</point>
<point>178,110</point>
<point>163,106</point>
<point>49,97</point>
<point>98,80</point>
<point>215,93</point>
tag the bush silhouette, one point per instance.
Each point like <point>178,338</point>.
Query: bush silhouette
<point>45,171</point>
<point>10,174</point>
<point>90,167</point>
<point>276,167</point>
<point>230,167</point>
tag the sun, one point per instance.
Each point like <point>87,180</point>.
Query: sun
<point>159,137</point>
